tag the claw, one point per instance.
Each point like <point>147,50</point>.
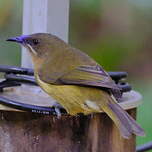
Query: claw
<point>57,108</point>
<point>58,112</point>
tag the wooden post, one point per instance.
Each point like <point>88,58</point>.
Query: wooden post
<point>22,131</point>
<point>26,132</point>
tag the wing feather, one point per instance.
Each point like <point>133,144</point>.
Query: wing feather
<point>85,75</point>
<point>90,76</point>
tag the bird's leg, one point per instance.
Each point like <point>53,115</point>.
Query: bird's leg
<point>57,108</point>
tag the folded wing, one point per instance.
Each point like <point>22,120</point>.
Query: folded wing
<point>90,76</point>
<point>85,75</point>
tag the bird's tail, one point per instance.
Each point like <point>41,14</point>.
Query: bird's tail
<point>126,124</point>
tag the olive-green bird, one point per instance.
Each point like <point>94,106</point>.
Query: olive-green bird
<point>75,80</point>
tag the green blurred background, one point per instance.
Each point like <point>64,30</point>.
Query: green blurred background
<point>117,34</point>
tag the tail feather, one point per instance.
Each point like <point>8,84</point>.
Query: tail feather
<point>137,130</point>
<point>126,124</point>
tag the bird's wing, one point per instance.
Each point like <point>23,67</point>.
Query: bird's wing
<point>82,75</point>
<point>90,76</point>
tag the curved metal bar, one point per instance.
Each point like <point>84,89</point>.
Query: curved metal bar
<point>118,75</point>
<point>144,147</point>
<point>27,107</point>
<point>20,78</point>
<point>28,79</point>
<point>6,84</point>
<point>16,70</point>
<point>26,71</point>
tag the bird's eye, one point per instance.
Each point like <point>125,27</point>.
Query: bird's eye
<point>35,41</point>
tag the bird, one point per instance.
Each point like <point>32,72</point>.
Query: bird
<point>76,81</point>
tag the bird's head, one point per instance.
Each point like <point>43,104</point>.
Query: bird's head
<point>39,44</point>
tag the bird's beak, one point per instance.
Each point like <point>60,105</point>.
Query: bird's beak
<point>19,39</point>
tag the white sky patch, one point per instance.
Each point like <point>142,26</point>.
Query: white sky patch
<point>92,105</point>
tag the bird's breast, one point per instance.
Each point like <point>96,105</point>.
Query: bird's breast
<point>76,99</point>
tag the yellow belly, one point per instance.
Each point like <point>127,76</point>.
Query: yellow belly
<point>76,99</point>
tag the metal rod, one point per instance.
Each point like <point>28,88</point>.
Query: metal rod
<point>16,70</point>
<point>125,87</point>
<point>20,78</point>
<point>27,107</point>
<point>144,147</point>
<point>27,71</point>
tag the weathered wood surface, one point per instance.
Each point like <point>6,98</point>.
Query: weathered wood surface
<point>28,132</point>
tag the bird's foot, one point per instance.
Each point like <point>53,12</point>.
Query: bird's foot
<point>57,108</point>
